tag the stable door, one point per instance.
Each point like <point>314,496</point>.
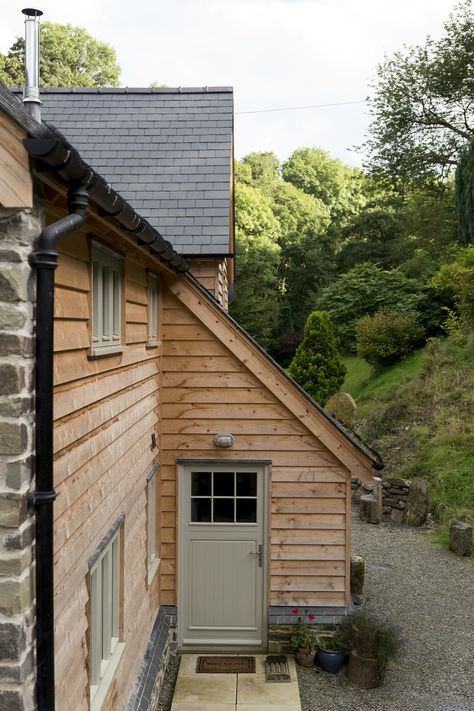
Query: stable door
<point>222,555</point>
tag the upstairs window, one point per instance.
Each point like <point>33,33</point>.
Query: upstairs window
<point>106,301</point>
<point>153,310</point>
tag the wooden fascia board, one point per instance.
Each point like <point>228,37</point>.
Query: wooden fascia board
<point>355,461</point>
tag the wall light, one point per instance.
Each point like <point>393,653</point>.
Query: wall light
<point>223,440</point>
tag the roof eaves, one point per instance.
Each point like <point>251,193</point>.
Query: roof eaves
<point>53,153</point>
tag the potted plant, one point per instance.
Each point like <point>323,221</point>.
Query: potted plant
<point>332,652</point>
<point>303,639</point>
<point>372,643</point>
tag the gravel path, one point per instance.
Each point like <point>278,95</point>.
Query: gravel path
<point>430,593</point>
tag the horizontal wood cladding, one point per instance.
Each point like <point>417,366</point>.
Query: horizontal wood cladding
<point>206,390</point>
<point>212,274</point>
<point>105,413</point>
<point>16,183</point>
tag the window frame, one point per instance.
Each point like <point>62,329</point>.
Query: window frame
<point>154,310</point>
<point>106,301</point>
<point>105,591</point>
<point>152,539</point>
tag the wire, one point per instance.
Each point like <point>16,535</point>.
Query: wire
<point>299,108</point>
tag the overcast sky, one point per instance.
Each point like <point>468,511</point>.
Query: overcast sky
<point>275,53</point>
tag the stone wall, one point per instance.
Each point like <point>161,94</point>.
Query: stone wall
<point>18,230</point>
<point>394,495</point>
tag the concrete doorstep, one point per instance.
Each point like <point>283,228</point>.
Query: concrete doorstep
<point>233,692</point>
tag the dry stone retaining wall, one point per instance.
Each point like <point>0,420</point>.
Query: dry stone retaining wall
<point>18,230</point>
<point>394,495</point>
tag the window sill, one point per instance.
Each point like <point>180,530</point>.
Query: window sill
<point>99,692</point>
<point>102,351</point>
<point>152,569</point>
<point>153,343</point>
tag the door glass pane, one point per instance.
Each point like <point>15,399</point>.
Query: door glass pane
<point>246,484</point>
<point>201,510</point>
<point>246,510</point>
<point>201,484</point>
<point>223,483</point>
<point>223,510</point>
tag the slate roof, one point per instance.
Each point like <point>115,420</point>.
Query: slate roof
<point>168,152</point>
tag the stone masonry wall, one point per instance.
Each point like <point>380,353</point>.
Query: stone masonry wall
<point>394,495</point>
<point>18,230</point>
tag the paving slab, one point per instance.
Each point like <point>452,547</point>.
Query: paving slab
<point>233,692</point>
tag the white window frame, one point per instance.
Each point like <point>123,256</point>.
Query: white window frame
<point>105,648</point>
<point>153,557</point>
<point>106,281</point>
<point>154,302</point>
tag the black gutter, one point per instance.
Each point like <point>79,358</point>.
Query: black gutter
<point>55,154</point>
<point>45,259</point>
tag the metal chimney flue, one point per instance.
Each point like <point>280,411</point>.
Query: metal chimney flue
<point>31,97</point>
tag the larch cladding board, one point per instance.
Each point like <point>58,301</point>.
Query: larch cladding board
<point>207,390</point>
<point>16,184</point>
<point>212,274</point>
<point>105,412</point>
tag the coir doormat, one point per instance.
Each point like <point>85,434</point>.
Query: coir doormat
<point>225,665</point>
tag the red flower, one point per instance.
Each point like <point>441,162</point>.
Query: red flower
<point>311,618</point>
<point>296,611</point>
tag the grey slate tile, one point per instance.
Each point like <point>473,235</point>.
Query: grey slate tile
<point>167,153</point>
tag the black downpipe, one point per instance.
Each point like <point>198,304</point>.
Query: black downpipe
<point>45,260</point>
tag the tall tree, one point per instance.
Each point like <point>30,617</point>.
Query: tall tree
<point>69,57</point>
<point>317,365</point>
<point>256,306</point>
<point>465,194</point>
<point>306,256</point>
<point>338,186</point>
<point>423,105</point>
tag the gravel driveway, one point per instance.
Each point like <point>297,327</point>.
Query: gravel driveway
<point>430,593</point>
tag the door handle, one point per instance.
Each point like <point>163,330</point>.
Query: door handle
<point>259,554</point>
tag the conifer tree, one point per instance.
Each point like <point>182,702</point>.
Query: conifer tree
<point>317,365</point>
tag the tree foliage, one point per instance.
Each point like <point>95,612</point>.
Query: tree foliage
<point>317,365</point>
<point>465,194</point>
<point>363,290</point>
<point>306,256</point>
<point>388,336</point>
<point>256,306</point>
<point>69,57</point>
<point>338,186</point>
<point>423,106</point>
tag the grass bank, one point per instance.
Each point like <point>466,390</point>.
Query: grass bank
<point>420,415</point>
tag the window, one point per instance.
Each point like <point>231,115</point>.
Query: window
<point>105,646</point>
<point>106,301</point>
<point>152,527</point>
<point>223,497</point>
<point>153,309</point>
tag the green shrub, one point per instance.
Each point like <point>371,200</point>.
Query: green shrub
<point>364,290</point>
<point>455,279</point>
<point>317,365</point>
<point>388,336</point>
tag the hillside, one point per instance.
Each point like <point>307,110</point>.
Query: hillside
<point>419,414</point>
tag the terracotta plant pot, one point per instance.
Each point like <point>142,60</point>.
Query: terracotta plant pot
<point>364,672</point>
<point>305,657</point>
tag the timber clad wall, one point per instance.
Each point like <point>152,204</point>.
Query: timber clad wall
<point>16,185</point>
<point>207,390</point>
<point>105,413</point>
<point>212,274</point>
